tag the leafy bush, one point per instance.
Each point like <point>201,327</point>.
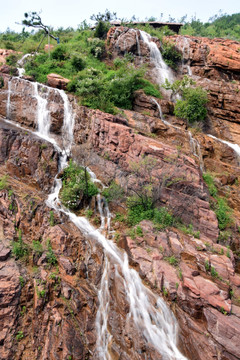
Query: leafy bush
<point>137,212</point>
<point>101,30</point>
<point>77,63</point>
<point>97,47</point>
<point>19,249</point>
<point>113,192</point>
<point>50,256</point>
<point>59,53</point>
<point>209,180</point>
<point>171,55</point>
<point>77,186</point>
<point>223,212</point>
<point>37,247</point>
<point>3,182</point>
<point>12,60</point>
<point>193,105</point>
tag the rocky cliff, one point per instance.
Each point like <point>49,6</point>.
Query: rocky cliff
<point>49,309</point>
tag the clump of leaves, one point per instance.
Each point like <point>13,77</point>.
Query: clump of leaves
<point>209,180</point>
<point>171,55</point>
<point>51,257</point>
<point>77,187</point>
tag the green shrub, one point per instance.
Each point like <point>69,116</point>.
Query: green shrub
<point>172,260</point>
<point>114,192</point>
<point>77,63</point>
<point>223,212</point>
<point>51,218</point>
<point>12,60</point>
<point>171,55</point>
<point>97,47</point>
<point>19,249</point>
<point>193,105</point>
<point>209,180</point>
<point>189,230</point>
<point>59,53</point>
<point>207,265</point>
<point>3,182</point>
<point>101,30</point>
<point>77,186</point>
<point>37,247</point>
<point>20,335</point>
<point>50,256</point>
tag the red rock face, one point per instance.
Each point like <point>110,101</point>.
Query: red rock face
<point>63,319</point>
<point>57,81</point>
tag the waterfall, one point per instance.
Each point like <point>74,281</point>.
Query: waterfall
<point>162,70</point>
<point>235,147</point>
<point>43,115</point>
<point>68,123</point>
<point>103,335</point>
<point>8,110</point>
<point>149,313</point>
<point>185,51</point>
<point>196,150</point>
<point>138,44</point>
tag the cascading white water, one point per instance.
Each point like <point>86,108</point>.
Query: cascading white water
<point>235,147</point>
<point>138,44</point>
<point>162,70</point>
<point>43,114</point>
<point>196,150</point>
<point>68,123</point>
<point>149,313</point>
<point>103,335</point>
<point>185,51</point>
<point>8,110</point>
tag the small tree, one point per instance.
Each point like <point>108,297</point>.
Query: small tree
<point>33,19</point>
<point>192,106</point>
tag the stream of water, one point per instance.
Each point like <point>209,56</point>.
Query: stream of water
<point>150,314</point>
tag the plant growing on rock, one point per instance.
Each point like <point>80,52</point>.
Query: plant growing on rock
<point>77,188</point>
<point>192,106</point>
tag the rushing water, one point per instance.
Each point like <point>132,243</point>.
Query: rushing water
<point>162,70</point>
<point>149,313</point>
<point>185,44</point>
<point>235,147</point>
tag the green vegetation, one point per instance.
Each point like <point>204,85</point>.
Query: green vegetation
<point>209,180</point>
<point>77,188</point>
<point>19,249</point>
<point>220,207</point>
<point>220,25</point>
<point>22,281</point>
<point>172,260</point>
<point>223,212</point>
<point>114,192</point>
<point>20,335</point>
<point>51,218</point>
<point>37,247</point>
<point>137,212</point>
<point>50,256</point>
<point>189,230</point>
<point>192,106</point>
<point>171,55</point>
<point>3,182</point>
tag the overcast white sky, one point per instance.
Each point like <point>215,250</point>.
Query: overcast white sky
<point>67,13</point>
